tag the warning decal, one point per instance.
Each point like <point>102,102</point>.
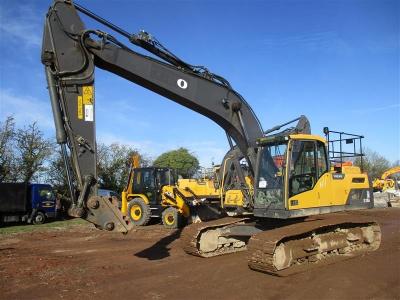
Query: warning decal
<point>87,92</point>
<point>89,113</point>
<point>80,108</point>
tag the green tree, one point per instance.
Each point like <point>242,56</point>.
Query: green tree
<point>373,163</point>
<point>184,162</point>
<point>7,153</point>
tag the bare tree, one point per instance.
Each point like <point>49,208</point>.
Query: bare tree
<point>56,174</point>
<point>32,151</point>
<point>113,165</point>
<point>373,163</point>
<point>7,155</point>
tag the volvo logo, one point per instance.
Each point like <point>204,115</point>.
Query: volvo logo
<point>182,84</point>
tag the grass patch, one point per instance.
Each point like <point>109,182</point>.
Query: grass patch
<point>54,225</point>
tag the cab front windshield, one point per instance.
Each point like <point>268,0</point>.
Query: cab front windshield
<point>47,194</point>
<point>272,166</point>
<point>165,177</point>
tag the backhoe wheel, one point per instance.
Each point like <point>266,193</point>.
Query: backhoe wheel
<point>39,218</point>
<point>139,212</point>
<point>171,218</point>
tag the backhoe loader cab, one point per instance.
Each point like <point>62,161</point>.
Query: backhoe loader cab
<point>149,181</point>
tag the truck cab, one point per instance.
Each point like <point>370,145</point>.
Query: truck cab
<point>31,203</point>
<point>43,199</point>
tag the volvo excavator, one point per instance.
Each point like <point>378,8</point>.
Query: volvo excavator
<point>295,214</point>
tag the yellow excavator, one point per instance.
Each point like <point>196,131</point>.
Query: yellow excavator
<point>297,211</point>
<point>297,189</point>
<point>386,182</point>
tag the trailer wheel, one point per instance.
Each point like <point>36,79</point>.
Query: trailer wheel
<point>171,218</point>
<point>39,218</point>
<point>139,212</point>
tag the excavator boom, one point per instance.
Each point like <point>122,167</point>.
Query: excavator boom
<point>390,172</point>
<point>70,53</point>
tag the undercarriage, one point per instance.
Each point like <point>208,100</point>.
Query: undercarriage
<point>285,247</point>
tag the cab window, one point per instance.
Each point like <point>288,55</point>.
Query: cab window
<point>164,177</point>
<point>322,163</point>
<point>148,178</point>
<point>272,167</point>
<point>46,194</point>
<point>303,174</point>
<point>137,184</point>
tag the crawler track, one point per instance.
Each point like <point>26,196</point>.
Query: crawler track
<point>326,239</point>
<point>193,238</point>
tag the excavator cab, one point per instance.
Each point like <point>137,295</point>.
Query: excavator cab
<point>294,179</point>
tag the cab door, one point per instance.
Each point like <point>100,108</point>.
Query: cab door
<point>308,177</point>
<point>324,188</point>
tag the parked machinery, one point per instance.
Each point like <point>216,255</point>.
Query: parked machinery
<point>386,181</point>
<point>155,192</point>
<point>289,170</point>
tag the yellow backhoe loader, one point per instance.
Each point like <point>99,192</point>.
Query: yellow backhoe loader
<point>154,192</point>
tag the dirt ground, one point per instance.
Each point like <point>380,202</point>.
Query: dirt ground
<point>83,263</point>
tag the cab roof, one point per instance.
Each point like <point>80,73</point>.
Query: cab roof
<point>302,136</point>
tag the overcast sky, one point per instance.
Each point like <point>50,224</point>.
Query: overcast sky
<point>336,62</point>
